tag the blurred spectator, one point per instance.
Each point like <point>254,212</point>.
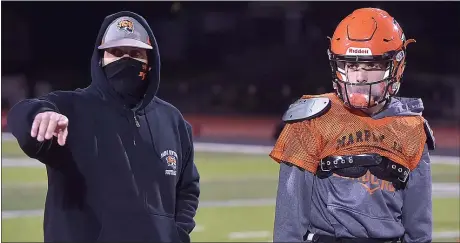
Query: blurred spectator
<point>14,88</point>
<point>41,88</point>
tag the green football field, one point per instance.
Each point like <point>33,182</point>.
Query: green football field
<point>236,203</point>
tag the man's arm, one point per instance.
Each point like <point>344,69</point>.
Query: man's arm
<point>292,204</point>
<point>21,117</point>
<point>417,205</point>
<point>188,192</point>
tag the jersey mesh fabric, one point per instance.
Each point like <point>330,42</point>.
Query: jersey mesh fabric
<point>342,131</point>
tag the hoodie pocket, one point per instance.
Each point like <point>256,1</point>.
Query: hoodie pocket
<point>165,223</point>
<point>144,227</point>
<point>166,227</point>
<point>363,198</point>
<point>99,237</point>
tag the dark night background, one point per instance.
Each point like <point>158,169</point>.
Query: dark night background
<point>227,57</point>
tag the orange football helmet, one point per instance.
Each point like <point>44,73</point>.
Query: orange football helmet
<point>368,35</point>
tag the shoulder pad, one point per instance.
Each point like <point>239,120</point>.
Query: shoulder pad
<point>306,109</point>
<point>430,140</point>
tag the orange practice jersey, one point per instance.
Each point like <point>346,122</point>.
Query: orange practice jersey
<point>342,131</point>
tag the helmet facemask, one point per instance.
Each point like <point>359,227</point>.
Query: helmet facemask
<point>362,82</point>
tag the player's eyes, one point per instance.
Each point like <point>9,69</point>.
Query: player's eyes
<point>375,66</point>
<point>372,65</point>
<point>368,66</point>
<point>352,66</point>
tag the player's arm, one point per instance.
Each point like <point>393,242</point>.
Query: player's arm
<point>22,120</point>
<point>417,203</point>
<point>296,150</point>
<point>292,204</point>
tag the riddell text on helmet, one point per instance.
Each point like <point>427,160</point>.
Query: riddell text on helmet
<point>359,51</point>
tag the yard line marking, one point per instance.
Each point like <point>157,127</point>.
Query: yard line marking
<point>249,234</point>
<point>238,203</point>
<point>21,213</point>
<point>198,228</point>
<point>8,214</point>
<point>446,234</point>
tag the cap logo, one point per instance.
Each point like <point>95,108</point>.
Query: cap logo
<point>126,25</point>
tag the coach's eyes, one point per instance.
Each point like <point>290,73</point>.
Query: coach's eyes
<point>137,54</point>
<point>116,52</point>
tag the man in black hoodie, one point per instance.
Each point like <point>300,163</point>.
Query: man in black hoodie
<point>119,159</point>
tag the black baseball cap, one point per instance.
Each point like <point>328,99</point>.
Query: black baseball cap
<point>125,31</point>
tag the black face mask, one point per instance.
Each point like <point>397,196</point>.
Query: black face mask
<point>128,78</point>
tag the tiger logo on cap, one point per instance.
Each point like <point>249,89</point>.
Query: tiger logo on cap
<point>126,25</point>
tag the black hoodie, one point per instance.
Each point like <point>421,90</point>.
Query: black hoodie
<point>123,175</point>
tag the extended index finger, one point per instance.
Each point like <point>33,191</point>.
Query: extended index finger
<point>43,127</point>
<point>35,125</point>
<point>63,121</point>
